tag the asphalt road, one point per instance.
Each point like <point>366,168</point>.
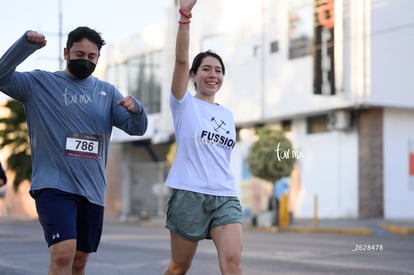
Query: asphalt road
<point>137,249</point>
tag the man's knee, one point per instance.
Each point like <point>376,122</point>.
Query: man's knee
<point>63,258</point>
<point>81,258</point>
<point>62,253</point>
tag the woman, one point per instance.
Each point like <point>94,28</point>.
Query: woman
<point>203,203</point>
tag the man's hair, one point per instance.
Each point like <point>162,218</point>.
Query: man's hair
<point>84,32</point>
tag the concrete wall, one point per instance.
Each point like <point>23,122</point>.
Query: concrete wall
<point>371,166</point>
<point>392,43</point>
<point>398,143</point>
<point>328,169</point>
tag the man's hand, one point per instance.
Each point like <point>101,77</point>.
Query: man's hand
<point>128,103</point>
<point>36,38</point>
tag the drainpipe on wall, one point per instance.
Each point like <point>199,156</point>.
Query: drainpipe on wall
<point>360,51</point>
<point>262,62</point>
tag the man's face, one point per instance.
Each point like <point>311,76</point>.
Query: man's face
<point>83,49</point>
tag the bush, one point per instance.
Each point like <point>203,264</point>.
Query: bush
<point>271,156</point>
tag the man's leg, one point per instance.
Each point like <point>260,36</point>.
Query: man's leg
<point>57,215</point>
<point>79,263</point>
<point>89,231</point>
<point>62,255</point>
<point>64,259</point>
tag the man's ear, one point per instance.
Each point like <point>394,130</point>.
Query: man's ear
<point>65,54</point>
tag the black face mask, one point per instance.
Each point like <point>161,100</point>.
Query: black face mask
<point>81,68</point>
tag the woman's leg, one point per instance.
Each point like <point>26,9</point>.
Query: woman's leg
<point>182,253</point>
<point>229,244</point>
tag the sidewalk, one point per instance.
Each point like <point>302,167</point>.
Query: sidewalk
<point>345,226</point>
<point>333,226</point>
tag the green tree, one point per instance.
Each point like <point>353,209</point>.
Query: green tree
<point>271,157</point>
<point>15,136</point>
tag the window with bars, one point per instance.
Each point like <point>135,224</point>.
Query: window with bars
<point>140,77</point>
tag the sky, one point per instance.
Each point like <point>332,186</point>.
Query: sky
<point>114,19</point>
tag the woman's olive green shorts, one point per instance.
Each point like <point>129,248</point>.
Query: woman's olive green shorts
<point>192,215</point>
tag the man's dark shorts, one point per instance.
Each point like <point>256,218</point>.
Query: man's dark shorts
<point>66,216</point>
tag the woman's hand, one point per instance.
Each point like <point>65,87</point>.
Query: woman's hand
<point>187,5</point>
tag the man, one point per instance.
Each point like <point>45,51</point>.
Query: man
<point>3,177</point>
<point>70,115</point>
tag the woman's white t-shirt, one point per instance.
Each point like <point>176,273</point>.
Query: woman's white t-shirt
<point>205,135</point>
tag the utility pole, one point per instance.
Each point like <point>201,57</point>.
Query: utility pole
<point>60,35</point>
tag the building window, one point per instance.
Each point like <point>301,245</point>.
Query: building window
<point>300,30</point>
<point>141,77</point>
<point>286,125</point>
<point>317,124</point>
<point>274,46</point>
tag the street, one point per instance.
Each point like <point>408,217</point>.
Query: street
<point>138,249</point>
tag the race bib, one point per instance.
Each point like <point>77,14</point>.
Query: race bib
<point>84,145</point>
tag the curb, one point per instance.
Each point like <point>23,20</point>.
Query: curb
<point>352,231</point>
<point>397,229</point>
<point>355,231</point>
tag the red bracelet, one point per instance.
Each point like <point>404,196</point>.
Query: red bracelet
<point>184,22</point>
<point>188,16</point>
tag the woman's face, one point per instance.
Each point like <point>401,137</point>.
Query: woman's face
<point>209,77</point>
